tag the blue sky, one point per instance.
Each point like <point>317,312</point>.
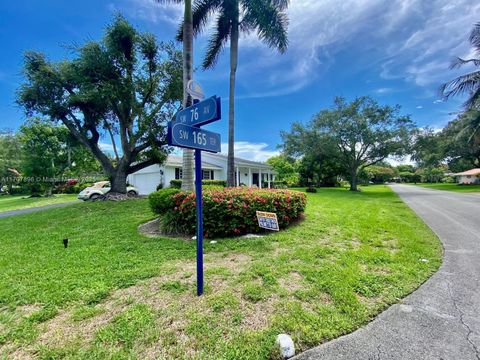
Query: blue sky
<point>396,51</point>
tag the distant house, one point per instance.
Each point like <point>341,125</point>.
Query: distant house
<point>214,167</point>
<point>471,176</point>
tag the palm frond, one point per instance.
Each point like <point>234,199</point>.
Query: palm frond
<point>217,40</point>
<point>473,101</point>
<point>269,20</point>
<point>461,85</point>
<point>475,37</point>
<point>281,4</point>
<point>458,62</point>
<point>201,12</point>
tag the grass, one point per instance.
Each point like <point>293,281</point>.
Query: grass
<point>451,187</point>
<point>116,294</point>
<point>9,203</point>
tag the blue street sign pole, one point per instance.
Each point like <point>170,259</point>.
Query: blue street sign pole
<point>185,132</point>
<point>199,200</point>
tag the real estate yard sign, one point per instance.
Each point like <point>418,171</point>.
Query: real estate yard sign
<point>185,132</point>
<point>267,220</point>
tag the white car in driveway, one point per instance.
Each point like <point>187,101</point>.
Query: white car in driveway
<point>100,188</point>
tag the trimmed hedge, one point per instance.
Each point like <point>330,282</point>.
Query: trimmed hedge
<point>162,201</point>
<point>230,211</point>
<point>178,183</point>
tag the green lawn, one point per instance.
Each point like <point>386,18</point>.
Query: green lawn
<point>9,203</point>
<point>452,187</point>
<point>116,294</point>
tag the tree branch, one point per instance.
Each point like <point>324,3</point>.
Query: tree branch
<point>141,165</point>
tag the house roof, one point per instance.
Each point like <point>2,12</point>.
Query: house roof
<point>177,161</point>
<point>243,162</point>
<point>469,172</point>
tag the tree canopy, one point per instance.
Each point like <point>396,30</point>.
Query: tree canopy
<point>359,133</point>
<point>123,88</point>
<point>286,169</point>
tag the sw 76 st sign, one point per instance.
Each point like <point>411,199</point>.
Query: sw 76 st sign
<point>193,138</point>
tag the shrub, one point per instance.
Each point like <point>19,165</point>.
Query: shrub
<point>213,187</point>
<point>161,201</point>
<point>448,180</point>
<point>279,184</point>
<point>160,186</point>
<point>178,183</point>
<point>311,189</point>
<point>230,211</point>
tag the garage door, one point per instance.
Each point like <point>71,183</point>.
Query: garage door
<point>146,183</point>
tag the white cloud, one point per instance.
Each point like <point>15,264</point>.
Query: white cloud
<point>251,151</point>
<point>419,107</point>
<point>413,40</point>
<point>150,10</point>
<point>384,90</point>
<point>438,101</point>
<point>438,33</point>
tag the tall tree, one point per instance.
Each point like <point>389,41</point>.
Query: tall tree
<point>469,83</point>
<point>318,156</point>
<point>45,153</point>
<point>461,141</point>
<point>10,157</point>
<point>286,169</point>
<point>363,132</point>
<point>187,39</point>
<point>125,86</point>
<point>428,149</point>
<point>267,17</point>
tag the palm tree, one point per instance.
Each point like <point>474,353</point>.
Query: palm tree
<point>187,39</point>
<point>468,83</point>
<point>267,17</point>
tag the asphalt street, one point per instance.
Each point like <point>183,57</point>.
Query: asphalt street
<point>440,320</point>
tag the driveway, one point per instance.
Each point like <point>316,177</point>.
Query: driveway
<point>35,209</point>
<point>441,320</point>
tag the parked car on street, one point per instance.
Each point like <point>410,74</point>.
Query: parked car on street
<point>98,189</point>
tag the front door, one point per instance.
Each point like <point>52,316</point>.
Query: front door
<point>255,179</point>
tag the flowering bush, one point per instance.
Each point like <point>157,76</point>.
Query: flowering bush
<point>232,211</point>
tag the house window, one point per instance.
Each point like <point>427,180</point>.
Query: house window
<point>207,175</point>
<point>178,173</point>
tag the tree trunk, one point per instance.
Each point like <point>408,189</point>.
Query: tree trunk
<point>187,165</point>
<point>231,112</point>
<point>353,180</point>
<point>118,182</point>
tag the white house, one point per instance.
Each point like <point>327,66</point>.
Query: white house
<point>471,176</point>
<point>214,167</point>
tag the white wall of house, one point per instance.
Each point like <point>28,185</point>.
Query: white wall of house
<point>147,180</point>
<point>468,179</point>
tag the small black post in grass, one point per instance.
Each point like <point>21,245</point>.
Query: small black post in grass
<point>65,243</point>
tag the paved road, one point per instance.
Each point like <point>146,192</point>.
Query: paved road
<point>441,320</point>
<point>35,209</point>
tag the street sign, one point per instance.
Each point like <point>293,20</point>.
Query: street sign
<point>193,138</point>
<point>267,220</point>
<point>185,132</point>
<point>201,113</point>
<point>195,90</point>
